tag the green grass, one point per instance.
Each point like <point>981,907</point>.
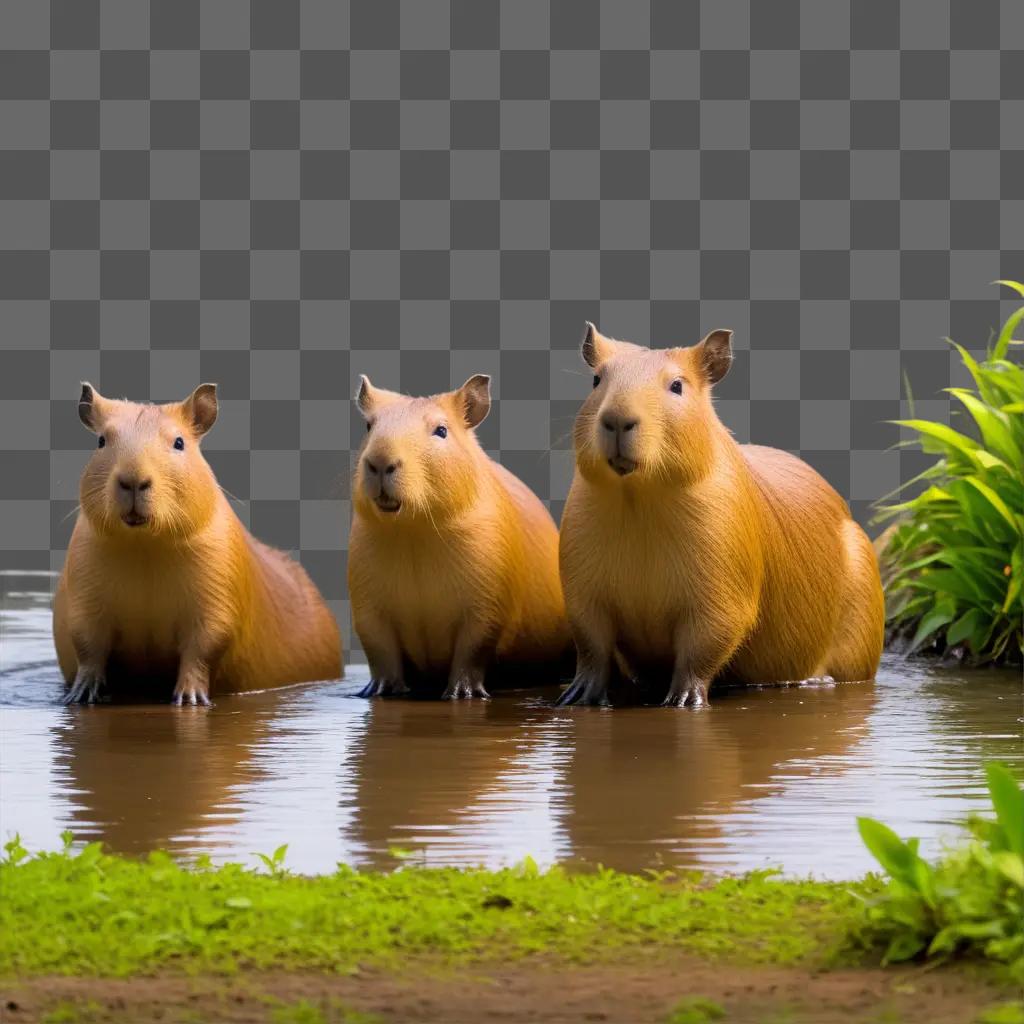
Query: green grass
<point>91,913</point>
<point>953,565</point>
<point>86,912</point>
<point>970,902</point>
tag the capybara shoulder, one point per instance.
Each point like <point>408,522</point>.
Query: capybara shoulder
<point>163,586</point>
<point>453,561</point>
<point>687,554</point>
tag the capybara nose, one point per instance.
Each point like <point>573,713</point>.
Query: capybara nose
<point>132,484</point>
<point>617,424</point>
<point>378,467</point>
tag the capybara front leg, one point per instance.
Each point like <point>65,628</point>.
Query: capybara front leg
<point>469,661</point>
<point>593,672</point>
<point>87,687</point>
<point>90,682</point>
<point>193,685</point>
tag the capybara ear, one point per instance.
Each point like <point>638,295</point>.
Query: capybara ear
<point>474,399</point>
<point>715,354</point>
<point>200,408</point>
<point>90,407</point>
<point>365,395</point>
<point>596,348</point>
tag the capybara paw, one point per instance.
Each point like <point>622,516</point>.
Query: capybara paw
<point>384,688</point>
<point>584,691</point>
<point>87,688</point>
<point>465,689</point>
<point>191,695</point>
<point>688,695</point>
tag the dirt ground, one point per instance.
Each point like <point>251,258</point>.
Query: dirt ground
<point>538,994</point>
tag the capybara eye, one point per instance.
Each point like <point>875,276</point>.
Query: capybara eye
<point>101,442</point>
<point>369,426</point>
<point>179,444</point>
<point>440,432</point>
<point>676,387</point>
<point>597,380</point>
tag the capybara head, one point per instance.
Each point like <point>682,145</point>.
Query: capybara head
<point>420,456</point>
<point>147,476</point>
<point>650,415</point>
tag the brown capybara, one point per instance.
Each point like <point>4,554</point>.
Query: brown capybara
<point>453,561</point>
<point>163,586</point>
<point>687,554</point>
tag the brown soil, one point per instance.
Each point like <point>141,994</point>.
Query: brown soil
<point>539,994</point>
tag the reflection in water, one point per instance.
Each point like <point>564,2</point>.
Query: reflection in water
<point>763,777</point>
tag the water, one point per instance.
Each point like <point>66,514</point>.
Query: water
<point>761,778</point>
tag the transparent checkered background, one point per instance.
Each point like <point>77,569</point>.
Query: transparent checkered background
<point>278,195</point>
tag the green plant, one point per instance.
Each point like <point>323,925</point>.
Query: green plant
<point>953,564</point>
<point>970,902</point>
<point>696,1011</point>
<point>274,862</point>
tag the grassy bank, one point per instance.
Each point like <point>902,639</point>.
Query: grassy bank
<point>91,938</point>
<point>91,913</point>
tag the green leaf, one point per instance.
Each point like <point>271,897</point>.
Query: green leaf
<point>888,849</point>
<point>994,428</point>
<point>947,435</point>
<point>965,626</point>
<point>994,500</point>
<point>942,613</point>
<point>903,947</point>
<point>1008,801</point>
<point>1005,338</point>
<point>1010,865</point>
<point>1015,285</point>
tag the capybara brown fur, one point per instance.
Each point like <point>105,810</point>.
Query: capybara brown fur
<point>453,561</point>
<point>688,556</point>
<point>163,588</point>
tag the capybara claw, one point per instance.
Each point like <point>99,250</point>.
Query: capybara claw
<point>384,688</point>
<point>583,691</point>
<point>191,697</point>
<point>463,689</point>
<point>86,689</point>
<point>695,695</point>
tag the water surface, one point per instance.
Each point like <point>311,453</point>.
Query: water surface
<point>772,777</point>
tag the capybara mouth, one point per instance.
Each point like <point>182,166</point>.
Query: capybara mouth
<point>388,504</point>
<point>134,518</point>
<point>622,465</point>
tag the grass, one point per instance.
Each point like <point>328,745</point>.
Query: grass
<point>91,913</point>
<point>953,564</point>
<point>86,912</point>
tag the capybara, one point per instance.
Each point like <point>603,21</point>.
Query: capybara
<point>453,561</point>
<point>688,555</point>
<point>163,588</point>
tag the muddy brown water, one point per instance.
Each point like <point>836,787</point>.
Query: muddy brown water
<point>762,778</point>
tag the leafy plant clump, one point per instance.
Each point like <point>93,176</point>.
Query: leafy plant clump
<point>953,563</point>
<point>86,912</point>
<point>971,902</point>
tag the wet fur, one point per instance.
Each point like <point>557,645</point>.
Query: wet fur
<point>712,560</point>
<point>193,595</point>
<point>462,583</point>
